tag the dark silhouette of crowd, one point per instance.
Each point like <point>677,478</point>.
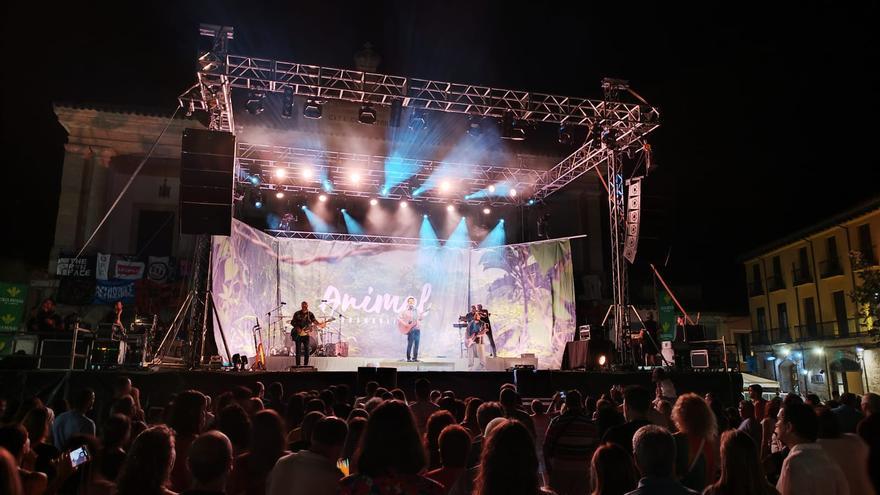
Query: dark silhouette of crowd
<point>259,440</point>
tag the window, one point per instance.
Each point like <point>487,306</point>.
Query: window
<point>866,247</point>
<point>831,246</point>
<point>811,328</point>
<point>777,268</point>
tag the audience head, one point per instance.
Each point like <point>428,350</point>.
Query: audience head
<point>390,442</point>
<point>455,443</point>
<point>654,451</point>
<point>470,415</point>
<point>148,464</point>
<point>487,412</point>
<point>356,427</point>
<point>435,396</point>
<point>508,398</point>
<point>295,411</point>
<point>267,435</point>
<point>741,470</point>
<point>36,422</point>
<point>117,429</point>
<point>792,399</point>
<point>538,407</point>
<point>328,437</point>
<point>258,389</point>
<point>797,423</point>
<point>436,422</point>
<point>210,460</point>
<point>188,413</point>
<point>851,400</point>
<point>316,405</point>
<point>328,398</point>
<point>123,405</point>
<point>14,438</point>
<point>829,427</point>
<point>122,387</point>
<point>573,401</point>
<point>636,402</point>
<point>870,403</point>
<point>773,407</point>
<point>612,470</point>
<point>423,390</point>
<point>747,409</point>
<point>308,425</point>
<point>84,400</point>
<point>370,388</point>
<point>275,391</point>
<point>399,394</point>
<point>357,413</point>
<point>10,481</point>
<point>692,416</point>
<point>508,464</point>
<point>234,422</point>
<point>812,400</point>
<point>756,391</point>
<point>341,394</point>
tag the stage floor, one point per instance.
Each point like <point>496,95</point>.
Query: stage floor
<point>352,363</point>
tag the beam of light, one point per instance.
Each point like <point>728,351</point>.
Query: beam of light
<point>324,178</point>
<point>273,221</point>
<point>496,236</point>
<point>351,225</point>
<point>397,170</point>
<point>427,234</point>
<point>499,189</point>
<point>459,236</point>
<point>318,224</point>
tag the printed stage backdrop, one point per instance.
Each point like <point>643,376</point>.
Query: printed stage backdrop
<point>528,288</point>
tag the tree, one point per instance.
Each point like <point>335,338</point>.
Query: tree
<point>866,295</point>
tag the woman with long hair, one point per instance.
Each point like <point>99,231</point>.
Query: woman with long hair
<point>768,425</point>
<point>356,427</point>
<point>36,422</point>
<point>147,469</point>
<point>612,471</point>
<point>267,445</point>
<point>390,456</point>
<point>696,443</point>
<point>509,464</point>
<point>741,471</point>
<point>470,416</point>
<point>436,422</point>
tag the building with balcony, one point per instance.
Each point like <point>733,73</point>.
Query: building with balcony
<point>807,332</point>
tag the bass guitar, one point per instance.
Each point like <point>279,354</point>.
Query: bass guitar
<point>405,326</point>
<point>313,327</point>
<point>471,340</point>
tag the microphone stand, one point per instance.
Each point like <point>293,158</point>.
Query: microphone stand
<point>271,326</point>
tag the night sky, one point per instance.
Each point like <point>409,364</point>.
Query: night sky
<point>769,116</point>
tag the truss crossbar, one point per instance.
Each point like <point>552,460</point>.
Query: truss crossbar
<point>365,238</point>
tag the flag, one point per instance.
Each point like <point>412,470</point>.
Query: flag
<point>102,267</point>
<point>129,270</point>
<point>666,315</point>
<point>158,268</point>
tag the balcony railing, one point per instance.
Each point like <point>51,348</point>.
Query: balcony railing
<point>853,327</point>
<point>830,268</point>
<point>775,283</point>
<point>755,288</point>
<point>869,256</point>
<point>802,276</point>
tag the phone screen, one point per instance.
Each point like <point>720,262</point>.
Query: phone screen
<point>562,395</point>
<point>79,456</point>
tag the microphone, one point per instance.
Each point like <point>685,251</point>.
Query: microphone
<point>323,300</point>
<point>283,303</point>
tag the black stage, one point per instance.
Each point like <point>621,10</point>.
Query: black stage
<point>158,385</point>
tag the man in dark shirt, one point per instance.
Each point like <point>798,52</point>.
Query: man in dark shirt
<point>302,320</point>
<point>45,319</point>
<point>636,404</point>
<point>484,315</point>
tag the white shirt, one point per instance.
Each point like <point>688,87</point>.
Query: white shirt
<point>850,452</point>
<point>808,470</point>
<point>303,473</point>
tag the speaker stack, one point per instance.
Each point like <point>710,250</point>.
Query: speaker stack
<point>207,167</point>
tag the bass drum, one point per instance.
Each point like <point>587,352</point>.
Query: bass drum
<point>313,345</point>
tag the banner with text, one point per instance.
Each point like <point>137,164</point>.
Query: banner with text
<point>11,305</point>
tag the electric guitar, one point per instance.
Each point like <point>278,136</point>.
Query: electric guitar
<point>313,327</point>
<point>260,360</point>
<point>473,338</point>
<point>406,326</point>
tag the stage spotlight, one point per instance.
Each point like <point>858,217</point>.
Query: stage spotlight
<point>475,126</point>
<point>307,173</point>
<point>602,360</point>
<point>280,173</point>
<point>254,103</point>
<point>312,109</point>
<point>355,177</point>
<point>279,194</point>
<point>445,186</point>
<point>322,198</point>
<point>258,204</point>
<point>342,210</point>
<point>491,188</point>
<point>403,204</point>
<point>564,137</point>
<point>253,179</point>
<point>450,208</point>
<point>486,211</point>
<point>374,202</point>
<point>396,111</point>
<point>512,192</point>
<point>511,128</point>
<point>425,215</point>
<point>417,120</point>
<point>531,202</point>
<point>287,103</point>
<point>367,115</point>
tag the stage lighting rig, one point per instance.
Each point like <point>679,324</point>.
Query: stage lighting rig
<point>418,120</point>
<point>511,128</point>
<point>367,115</point>
<point>313,109</point>
<point>254,103</point>
<point>287,103</point>
<point>475,126</point>
<point>564,136</point>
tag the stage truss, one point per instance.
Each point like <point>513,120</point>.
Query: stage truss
<point>375,239</point>
<point>616,128</point>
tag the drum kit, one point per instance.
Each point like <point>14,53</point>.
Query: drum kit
<point>323,341</point>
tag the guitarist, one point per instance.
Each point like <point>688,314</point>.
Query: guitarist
<point>476,330</point>
<point>411,316</point>
<point>484,313</point>
<point>301,322</point>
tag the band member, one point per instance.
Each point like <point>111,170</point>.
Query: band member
<point>649,340</point>
<point>117,318</point>
<point>45,319</point>
<point>476,330</point>
<point>484,314</point>
<point>412,316</point>
<point>302,320</point>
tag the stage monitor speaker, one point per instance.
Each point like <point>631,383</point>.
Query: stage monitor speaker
<point>386,377</point>
<point>700,358</point>
<point>207,168</point>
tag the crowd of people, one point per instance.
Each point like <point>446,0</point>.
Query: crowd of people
<point>260,440</point>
